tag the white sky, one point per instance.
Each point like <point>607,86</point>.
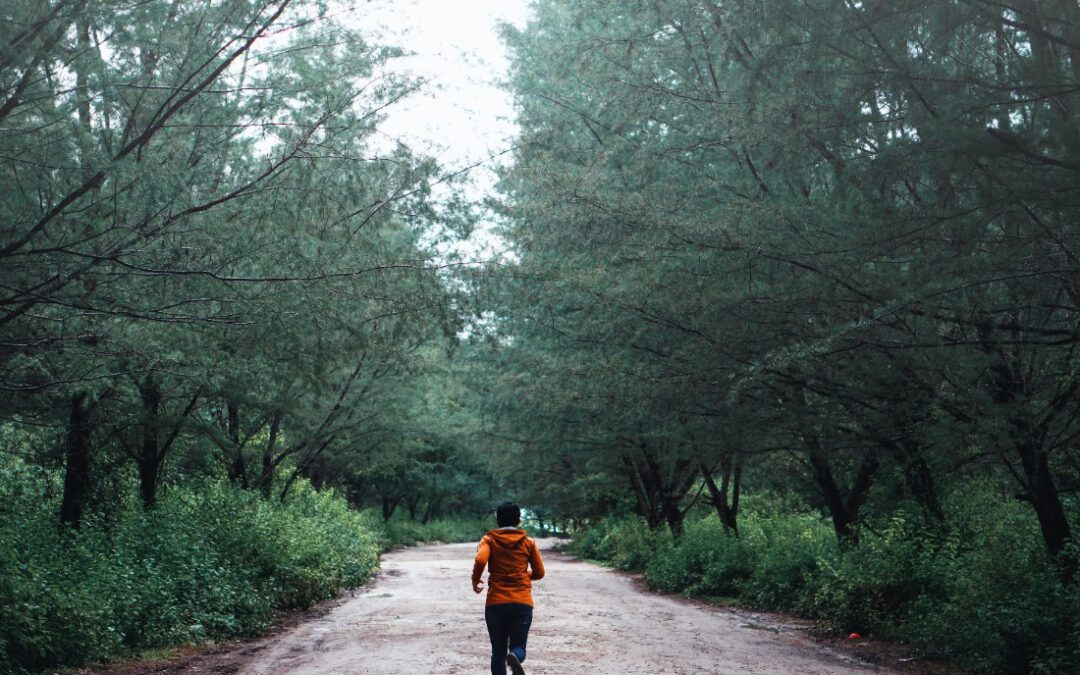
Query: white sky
<point>463,116</point>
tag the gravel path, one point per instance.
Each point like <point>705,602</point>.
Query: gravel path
<point>420,616</point>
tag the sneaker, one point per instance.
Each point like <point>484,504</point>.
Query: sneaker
<point>515,665</point>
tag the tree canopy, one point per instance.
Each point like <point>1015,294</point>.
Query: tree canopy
<point>207,262</point>
<point>823,246</point>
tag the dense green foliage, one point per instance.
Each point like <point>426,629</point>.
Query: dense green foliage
<point>210,561</point>
<point>983,595</point>
<point>219,287</point>
<point>208,259</point>
<point>830,246</point>
<point>402,531</point>
<point>819,249</point>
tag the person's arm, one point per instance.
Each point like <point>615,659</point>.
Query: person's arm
<point>536,563</point>
<point>483,552</point>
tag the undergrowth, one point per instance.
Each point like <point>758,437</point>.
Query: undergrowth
<point>399,531</point>
<point>209,561</point>
<point>980,591</point>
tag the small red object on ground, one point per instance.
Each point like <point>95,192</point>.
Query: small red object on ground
<point>854,636</point>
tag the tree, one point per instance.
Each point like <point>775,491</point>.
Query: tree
<point>840,213</point>
<point>200,244</point>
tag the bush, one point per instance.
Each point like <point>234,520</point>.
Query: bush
<point>593,543</point>
<point>981,592</point>
<point>400,531</point>
<point>209,561</point>
<point>867,588</point>
<point>788,552</point>
<point>996,602</point>
<point>700,563</point>
<point>626,543</point>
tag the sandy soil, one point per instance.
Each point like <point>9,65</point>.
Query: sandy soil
<point>420,616</point>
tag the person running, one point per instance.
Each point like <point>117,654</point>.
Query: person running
<point>513,563</point>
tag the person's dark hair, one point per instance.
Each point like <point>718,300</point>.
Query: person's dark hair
<point>508,514</point>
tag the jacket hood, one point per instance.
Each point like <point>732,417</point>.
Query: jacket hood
<point>507,538</point>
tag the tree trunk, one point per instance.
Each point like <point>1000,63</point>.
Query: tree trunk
<point>76,463</point>
<point>149,455</point>
<point>917,475</point>
<point>674,515</point>
<point>266,477</point>
<point>660,492</point>
<point>152,450</point>
<point>646,493</point>
<point>1012,388</point>
<point>432,508</point>
<point>237,467</point>
<point>1044,498</point>
<point>844,512</point>
<point>730,482</point>
<point>920,482</point>
<point>389,505</point>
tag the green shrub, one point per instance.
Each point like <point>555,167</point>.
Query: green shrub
<point>593,543</point>
<point>635,544</point>
<point>866,588</point>
<point>400,531</point>
<point>996,602</point>
<point>209,561</point>
<point>701,562</point>
<point>625,542</point>
<point>981,591</point>
<point>788,552</point>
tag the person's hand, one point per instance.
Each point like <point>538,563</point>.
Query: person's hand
<point>478,587</point>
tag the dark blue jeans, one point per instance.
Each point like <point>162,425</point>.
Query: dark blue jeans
<point>508,627</point>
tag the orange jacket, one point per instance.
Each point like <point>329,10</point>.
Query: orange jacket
<point>513,563</point>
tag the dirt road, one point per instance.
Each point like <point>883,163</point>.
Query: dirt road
<point>421,616</point>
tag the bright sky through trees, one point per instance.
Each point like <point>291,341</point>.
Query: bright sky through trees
<point>463,115</point>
